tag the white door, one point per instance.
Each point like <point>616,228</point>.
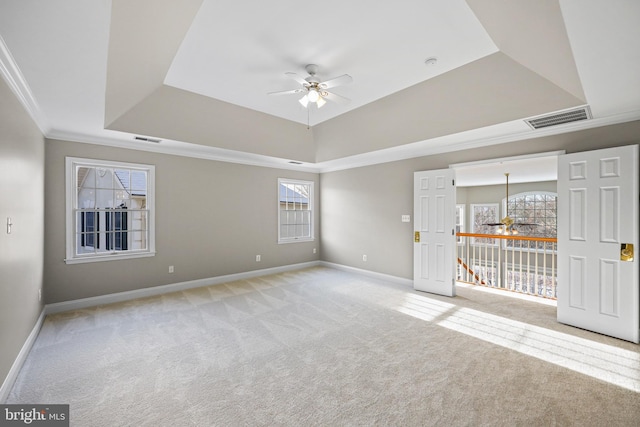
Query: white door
<point>597,221</point>
<point>434,247</point>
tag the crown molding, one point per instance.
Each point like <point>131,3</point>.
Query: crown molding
<point>445,144</point>
<point>178,148</point>
<point>468,140</point>
<point>499,134</point>
<point>18,84</point>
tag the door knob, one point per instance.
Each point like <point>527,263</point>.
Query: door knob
<point>416,237</point>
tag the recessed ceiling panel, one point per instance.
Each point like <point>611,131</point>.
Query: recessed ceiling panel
<point>238,53</point>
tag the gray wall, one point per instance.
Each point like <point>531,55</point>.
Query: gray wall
<point>21,252</point>
<point>212,219</point>
<point>361,207</point>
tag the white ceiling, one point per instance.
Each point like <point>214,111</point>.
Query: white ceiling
<point>55,55</point>
<point>382,45</point>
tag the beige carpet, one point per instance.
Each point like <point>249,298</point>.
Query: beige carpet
<point>325,347</point>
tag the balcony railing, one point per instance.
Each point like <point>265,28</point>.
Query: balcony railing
<point>516,263</point>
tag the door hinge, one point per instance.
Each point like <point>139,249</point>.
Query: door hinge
<point>453,182</point>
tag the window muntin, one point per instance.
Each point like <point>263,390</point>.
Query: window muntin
<point>295,211</point>
<point>109,210</point>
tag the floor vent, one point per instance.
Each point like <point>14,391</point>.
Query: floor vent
<point>576,115</point>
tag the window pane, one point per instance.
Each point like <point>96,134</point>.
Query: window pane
<point>85,177</point>
<point>104,178</point>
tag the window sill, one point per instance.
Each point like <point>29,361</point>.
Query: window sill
<point>110,257</point>
<point>309,239</point>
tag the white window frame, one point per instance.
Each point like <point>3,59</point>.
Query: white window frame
<point>472,222</point>
<point>71,195</point>
<point>460,214</point>
<point>310,208</point>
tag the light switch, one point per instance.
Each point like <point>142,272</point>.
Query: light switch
<point>406,218</point>
<point>9,225</point>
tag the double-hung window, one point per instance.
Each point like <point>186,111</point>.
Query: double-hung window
<point>295,211</point>
<point>109,210</point>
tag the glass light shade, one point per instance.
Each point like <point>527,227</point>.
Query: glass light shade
<point>320,102</point>
<point>304,101</point>
<point>313,95</point>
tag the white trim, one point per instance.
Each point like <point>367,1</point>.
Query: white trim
<point>70,203</point>
<point>507,159</point>
<point>368,273</point>
<point>465,141</point>
<point>21,358</point>
<point>18,84</point>
<point>165,289</point>
<point>109,256</point>
<point>311,208</point>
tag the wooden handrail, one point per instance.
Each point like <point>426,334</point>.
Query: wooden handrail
<point>511,237</point>
<point>470,271</point>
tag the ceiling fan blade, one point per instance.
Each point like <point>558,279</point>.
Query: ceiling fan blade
<point>286,92</point>
<point>338,81</point>
<point>297,78</point>
<point>335,98</point>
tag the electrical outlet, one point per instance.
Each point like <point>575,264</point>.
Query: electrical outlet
<point>171,270</point>
<point>364,258</point>
<point>314,250</point>
<point>40,294</point>
<point>258,258</point>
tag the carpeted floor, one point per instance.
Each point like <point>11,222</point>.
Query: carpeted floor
<point>325,347</point>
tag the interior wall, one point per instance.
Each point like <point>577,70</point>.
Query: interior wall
<point>361,208</point>
<point>212,219</point>
<point>21,252</point>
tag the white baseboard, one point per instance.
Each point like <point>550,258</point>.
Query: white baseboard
<point>22,356</point>
<point>381,276</point>
<point>164,289</point>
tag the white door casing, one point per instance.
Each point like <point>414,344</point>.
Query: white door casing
<point>597,213</point>
<point>434,231</point>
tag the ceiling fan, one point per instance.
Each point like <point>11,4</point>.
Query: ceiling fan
<point>314,90</point>
<point>507,225</point>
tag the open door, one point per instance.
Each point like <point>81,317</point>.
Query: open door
<point>597,235</point>
<point>434,231</point>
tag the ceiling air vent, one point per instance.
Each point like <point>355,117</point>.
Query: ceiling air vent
<point>582,113</point>
<point>144,138</point>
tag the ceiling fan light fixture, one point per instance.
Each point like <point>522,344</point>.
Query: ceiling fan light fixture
<point>304,101</point>
<point>320,102</point>
<point>313,95</point>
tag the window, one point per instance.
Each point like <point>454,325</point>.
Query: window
<point>295,211</point>
<point>110,210</point>
<point>481,215</point>
<point>537,207</point>
<point>460,221</point>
